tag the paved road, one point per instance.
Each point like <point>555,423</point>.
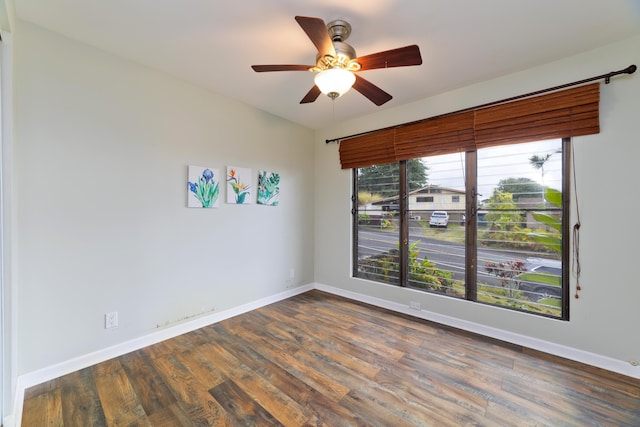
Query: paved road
<point>447,255</point>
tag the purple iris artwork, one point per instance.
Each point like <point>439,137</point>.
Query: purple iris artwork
<point>203,187</point>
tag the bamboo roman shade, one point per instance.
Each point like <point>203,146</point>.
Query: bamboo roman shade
<point>439,135</point>
<point>375,148</point>
<point>566,113</point>
<point>571,112</point>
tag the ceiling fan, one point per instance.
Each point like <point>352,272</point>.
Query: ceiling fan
<point>337,63</point>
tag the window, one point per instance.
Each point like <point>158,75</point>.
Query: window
<point>511,238</point>
<point>424,199</point>
<point>510,253</point>
<point>377,240</point>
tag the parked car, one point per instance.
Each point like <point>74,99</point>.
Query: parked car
<point>543,277</point>
<point>439,219</point>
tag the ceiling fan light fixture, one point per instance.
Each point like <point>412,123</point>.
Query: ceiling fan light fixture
<point>334,82</point>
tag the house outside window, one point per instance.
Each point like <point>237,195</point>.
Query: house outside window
<point>504,244</point>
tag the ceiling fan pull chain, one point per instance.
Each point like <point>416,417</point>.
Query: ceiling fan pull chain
<point>333,110</point>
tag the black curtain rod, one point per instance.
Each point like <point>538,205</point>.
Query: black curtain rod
<point>607,78</point>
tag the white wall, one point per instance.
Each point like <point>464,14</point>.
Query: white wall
<point>7,296</point>
<point>101,148</point>
<point>604,320</point>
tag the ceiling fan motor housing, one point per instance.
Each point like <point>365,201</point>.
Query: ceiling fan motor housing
<point>339,31</point>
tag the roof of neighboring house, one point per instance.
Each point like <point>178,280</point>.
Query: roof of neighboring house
<point>424,189</point>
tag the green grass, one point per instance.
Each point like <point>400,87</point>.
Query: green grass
<point>453,233</point>
<point>547,279</point>
<point>553,302</point>
<point>497,296</point>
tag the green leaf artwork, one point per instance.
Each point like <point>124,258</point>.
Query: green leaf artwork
<point>268,188</point>
<point>203,187</point>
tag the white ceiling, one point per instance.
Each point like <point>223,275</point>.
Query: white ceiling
<point>213,43</point>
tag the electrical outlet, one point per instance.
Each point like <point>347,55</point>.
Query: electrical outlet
<point>111,320</point>
<point>292,273</point>
<point>415,305</point>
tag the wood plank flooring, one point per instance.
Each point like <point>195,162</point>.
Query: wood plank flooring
<point>321,360</point>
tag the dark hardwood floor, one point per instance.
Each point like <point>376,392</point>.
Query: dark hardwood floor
<point>321,360</point>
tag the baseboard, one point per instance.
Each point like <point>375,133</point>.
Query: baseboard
<point>599,361</point>
<point>9,421</point>
<point>46,374</point>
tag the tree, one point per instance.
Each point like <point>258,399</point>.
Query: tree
<point>384,179</point>
<point>538,163</point>
<point>520,187</point>
<point>417,173</point>
<point>503,213</point>
<point>365,198</point>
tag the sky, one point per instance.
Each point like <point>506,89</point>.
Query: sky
<point>496,163</point>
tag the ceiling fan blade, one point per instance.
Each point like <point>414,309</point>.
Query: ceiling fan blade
<point>311,96</point>
<point>371,91</point>
<point>264,68</point>
<point>316,29</point>
<point>400,57</point>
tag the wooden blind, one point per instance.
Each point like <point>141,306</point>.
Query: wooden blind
<point>566,113</point>
<point>439,135</point>
<point>571,112</point>
<point>374,148</point>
